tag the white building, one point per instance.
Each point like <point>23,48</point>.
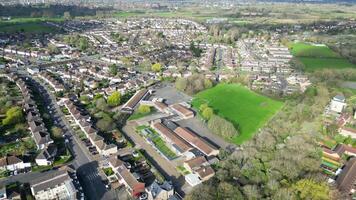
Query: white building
<point>338,104</point>
<point>57,185</point>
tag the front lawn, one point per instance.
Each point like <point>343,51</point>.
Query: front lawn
<point>246,109</point>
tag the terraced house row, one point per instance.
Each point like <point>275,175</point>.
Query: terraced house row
<point>39,132</point>
<point>85,124</point>
<point>55,84</point>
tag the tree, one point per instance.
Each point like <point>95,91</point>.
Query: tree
<point>143,109</point>
<point>105,124</point>
<point>57,132</point>
<point>101,104</point>
<point>181,84</point>
<point>13,116</point>
<point>53,49</point>
<point>222,127</point>
<point>113,70</point>
<point>207,113</point>
<point>310,189</point>
<point>114,99</point>
<point>67,15</point>
<point>157,67</point>
<point>196,51</point>
<point>193,84</point>
<point>83,44</point>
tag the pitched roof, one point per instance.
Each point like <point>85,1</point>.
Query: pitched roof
<point>347,177</point>
<point>135,99</point>
<point>196,162</point>
<point>9,160</point>
<point>50,180</point>
<point>126,175</point>
<point>343,148</point>
<point>205,171</point>
<point>183,110</point>
<point>195,141</point>
<point>115,162</point>
<point>180,143</point>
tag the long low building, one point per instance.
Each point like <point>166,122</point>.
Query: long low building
<point>178,144</point>
<point>196,141</point>
<point>131,104</point>
<point>182,111</point>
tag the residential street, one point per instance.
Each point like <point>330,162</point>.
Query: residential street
<point>86,167</point>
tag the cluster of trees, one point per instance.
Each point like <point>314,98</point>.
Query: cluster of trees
<point>334,77</point>
<point>118,38</point>
<point>82,43</point>
<point>13,116</point>
<point>113,69</point>
<point>196,51</point>
<point>281,162</point>
<point>217,124</point>
<point>193,84</point>
<point>222,127</point>
<point>47,10</point>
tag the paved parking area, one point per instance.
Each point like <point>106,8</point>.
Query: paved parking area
<point>168,92</point>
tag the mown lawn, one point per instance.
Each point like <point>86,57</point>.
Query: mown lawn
<point>138,115</point>
<point>317,57</point>
<point>245,109</point>
<point>31,27</point>
<point>301,49</point>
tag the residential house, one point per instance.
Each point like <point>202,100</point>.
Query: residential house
<point>134,187</point>
<point>347,178</point>
<point>13,163</point>
<point>338,104</point>
<point>56,185</point>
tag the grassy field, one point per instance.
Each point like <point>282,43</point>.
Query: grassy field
<point>244,108</point>
<point>316,57</point>
<point>28,25</point>
<point>301,49</point>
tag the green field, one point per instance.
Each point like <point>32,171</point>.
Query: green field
<point>28,25</point>
<point>32,27</point>
<point>317,57</point>
<point>300,49</point>
<point>244,108</point>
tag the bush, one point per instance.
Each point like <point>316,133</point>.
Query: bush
<point>222,127</point>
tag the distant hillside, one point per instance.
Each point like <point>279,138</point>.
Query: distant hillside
<point>311,1</point>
